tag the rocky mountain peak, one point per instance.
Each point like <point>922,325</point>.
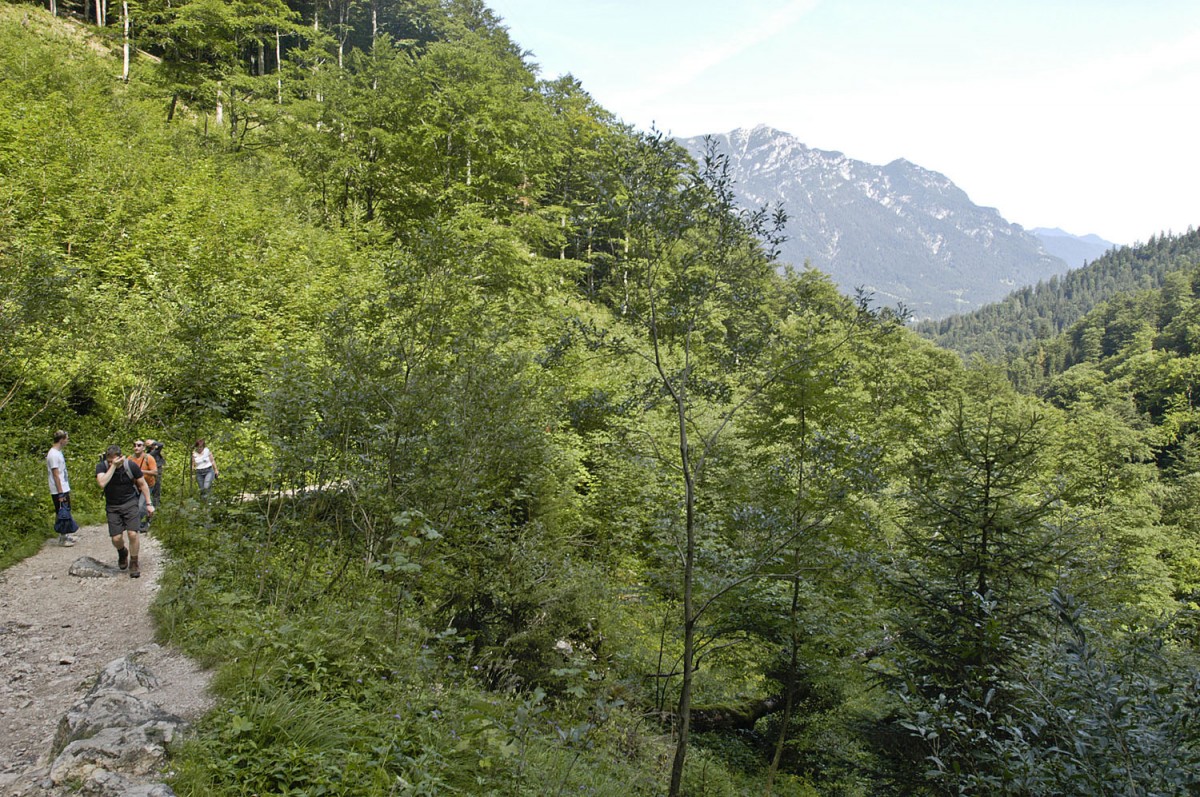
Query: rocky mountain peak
<point>906,233</point>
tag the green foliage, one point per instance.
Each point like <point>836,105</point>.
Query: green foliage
<point>983,537</point>
<point>518,426</point>
<point>1087,719</point>
<point>30,521</point>
<point>1034,315</point>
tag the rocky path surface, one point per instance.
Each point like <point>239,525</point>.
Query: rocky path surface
<point>58,631</point>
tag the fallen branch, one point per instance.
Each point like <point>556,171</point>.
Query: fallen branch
<point>741,717</point>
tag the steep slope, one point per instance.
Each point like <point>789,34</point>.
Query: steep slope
<point>907,234</point>
<point>1040,312</point>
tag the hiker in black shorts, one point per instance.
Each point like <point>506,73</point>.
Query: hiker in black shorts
<point>122,480</point>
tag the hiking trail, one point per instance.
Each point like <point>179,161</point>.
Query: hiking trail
<point>58,631</point>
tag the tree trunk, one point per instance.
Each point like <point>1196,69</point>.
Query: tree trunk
<point>343,12</point>
<point>684,713</point>
<point>790,698</point>
<point>233,116</point>
<point>793,617</point>
<point>278,69</point>
<point>125,48</point>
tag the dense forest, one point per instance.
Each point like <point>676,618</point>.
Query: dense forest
<point>1044,311</point>
<point>540,475</point>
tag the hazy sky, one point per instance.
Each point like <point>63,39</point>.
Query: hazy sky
<point>1080,114</point>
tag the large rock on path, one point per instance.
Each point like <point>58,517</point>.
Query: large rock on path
<point>111,742</point>
<point>87,567</point>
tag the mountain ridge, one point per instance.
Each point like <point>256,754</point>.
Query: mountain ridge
<point>904,232</point>
<point>1039,312</point>
<point>1075,250</point>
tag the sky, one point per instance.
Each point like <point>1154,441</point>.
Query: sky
<point>1078,114</point>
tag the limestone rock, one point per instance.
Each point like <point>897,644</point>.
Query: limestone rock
<point>135,751</point>
<point>87,567</point>
<point>127,675</point>
<point>115,737</point>
<point>104,709</point>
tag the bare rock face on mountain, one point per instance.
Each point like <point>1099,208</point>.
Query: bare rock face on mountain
<point>906,234</point>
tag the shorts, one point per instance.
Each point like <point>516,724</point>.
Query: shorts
<point>122,518</point>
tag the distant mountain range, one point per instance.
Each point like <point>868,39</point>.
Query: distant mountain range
<point>904,233</point>
<point>1074,250</point>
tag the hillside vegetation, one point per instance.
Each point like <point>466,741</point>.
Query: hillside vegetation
<point>537,476</point>
<point>1044,311</point>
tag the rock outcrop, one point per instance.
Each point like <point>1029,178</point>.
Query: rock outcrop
<point>112,743</point>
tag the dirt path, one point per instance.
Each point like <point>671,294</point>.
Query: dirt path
<point>57,631</point>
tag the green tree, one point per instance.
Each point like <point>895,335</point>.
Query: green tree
<point>811,470</point>
<point>214,54</point>
<point>983,535</point>
<point>694,282</point>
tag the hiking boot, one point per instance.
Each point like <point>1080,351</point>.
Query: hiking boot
<point>65,541</point>
<point>134,570</point>
<point>122,558</point>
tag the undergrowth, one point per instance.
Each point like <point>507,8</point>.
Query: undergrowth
<point>328,686</point>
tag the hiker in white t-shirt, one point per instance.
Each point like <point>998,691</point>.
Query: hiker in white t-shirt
<point>60,486</point>
<point>204,466</point>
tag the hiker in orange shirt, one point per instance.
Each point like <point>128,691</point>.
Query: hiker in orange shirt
<point>144,460</point>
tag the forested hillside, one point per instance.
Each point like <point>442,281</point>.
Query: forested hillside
<point>1043,311</point>
<point>1138,348</point>
<point>537,476</point>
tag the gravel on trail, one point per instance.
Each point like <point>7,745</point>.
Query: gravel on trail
<point>57,631</point>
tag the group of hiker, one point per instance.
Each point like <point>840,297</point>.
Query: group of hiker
<point>132,486</point>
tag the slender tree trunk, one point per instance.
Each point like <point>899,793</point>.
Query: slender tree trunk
<point>789,701</point>
<point>233,116</point>
<point>220,106</point>
<point>343,11</point>
<point>262,58</point>
<point>54,8</point>
<point>684,712</point>
<point>790,697</point>
<point>125,27</point>
<point>278,69</point>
